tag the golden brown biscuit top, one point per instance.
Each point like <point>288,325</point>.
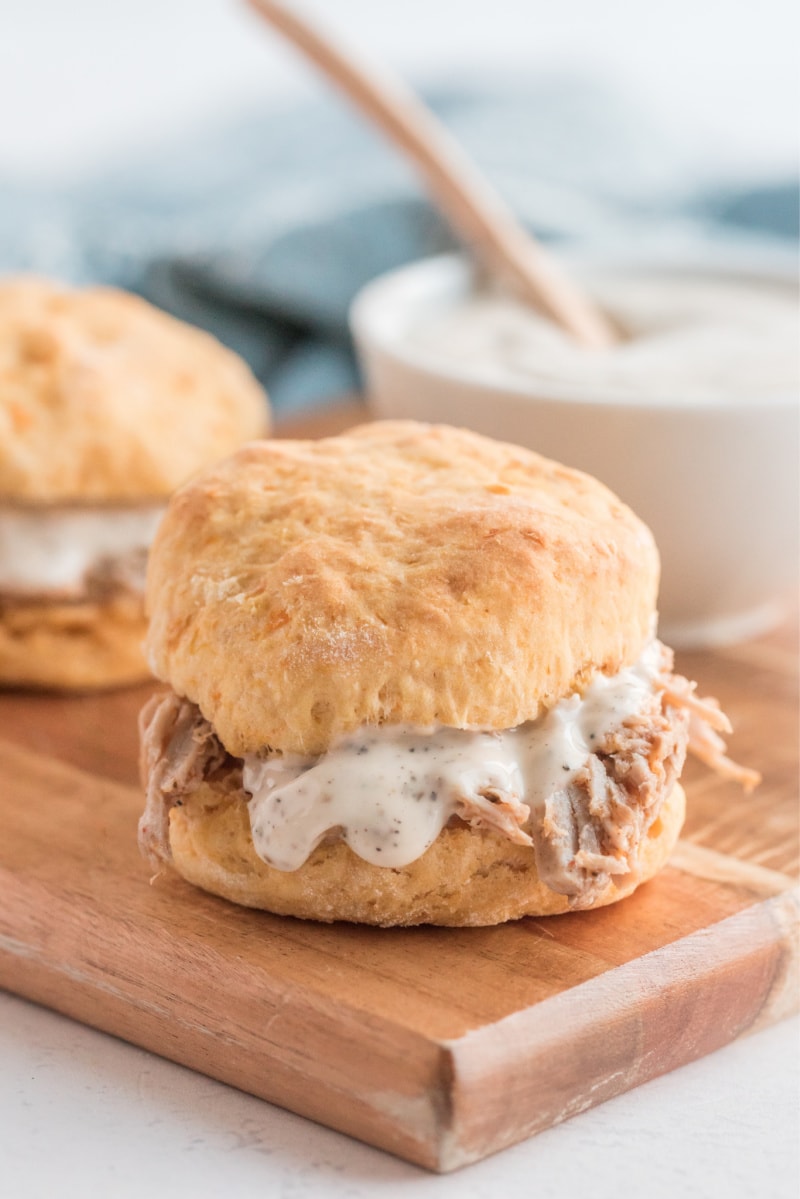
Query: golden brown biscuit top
<point>400,573</point>
<point>102,396</point>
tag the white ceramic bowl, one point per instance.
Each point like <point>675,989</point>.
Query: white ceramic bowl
<point>716,482</point>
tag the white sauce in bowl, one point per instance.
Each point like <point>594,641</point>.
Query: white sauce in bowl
<point>685,339</point>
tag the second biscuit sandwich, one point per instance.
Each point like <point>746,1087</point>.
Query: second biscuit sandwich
<point>413,679</point>
<point>106,406</point>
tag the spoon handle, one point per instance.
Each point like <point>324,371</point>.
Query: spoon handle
<point>466,198</point>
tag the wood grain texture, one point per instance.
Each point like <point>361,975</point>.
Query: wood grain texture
<point>440,1045</point>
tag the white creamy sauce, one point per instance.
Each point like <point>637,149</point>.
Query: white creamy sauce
<point>391,790</point>
<point>51,549</point>
<point>685,339</point>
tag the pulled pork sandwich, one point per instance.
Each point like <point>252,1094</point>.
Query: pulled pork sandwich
<point>413,680</point>
<point>106,405</point>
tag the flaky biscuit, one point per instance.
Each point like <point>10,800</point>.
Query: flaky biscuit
<point>103,397</point>
<point>466,877</point>
<point>77,646</point>
<point>400,573</point>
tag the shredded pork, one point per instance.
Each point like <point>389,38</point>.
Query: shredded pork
<point>706,722</point>
<point>179,750</point>
<point>583,835</point>
<point>592,829</point>
<point>499,810</point>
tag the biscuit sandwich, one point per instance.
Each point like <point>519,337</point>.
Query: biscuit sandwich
<point>413,679</point>
<point>106,406</point>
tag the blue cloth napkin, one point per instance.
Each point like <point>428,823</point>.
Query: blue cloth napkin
<point>263,227</point>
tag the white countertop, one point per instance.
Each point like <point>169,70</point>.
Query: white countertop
<point>83,1114</point>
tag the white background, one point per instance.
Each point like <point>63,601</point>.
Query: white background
<point>80,79</point>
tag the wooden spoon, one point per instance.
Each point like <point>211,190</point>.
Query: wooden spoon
<point>466,198</point>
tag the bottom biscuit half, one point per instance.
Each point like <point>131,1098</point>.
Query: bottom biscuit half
<point>79,646</point>
<point>467,877</point>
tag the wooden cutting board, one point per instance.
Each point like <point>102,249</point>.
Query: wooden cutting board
<point>441,1046</point>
